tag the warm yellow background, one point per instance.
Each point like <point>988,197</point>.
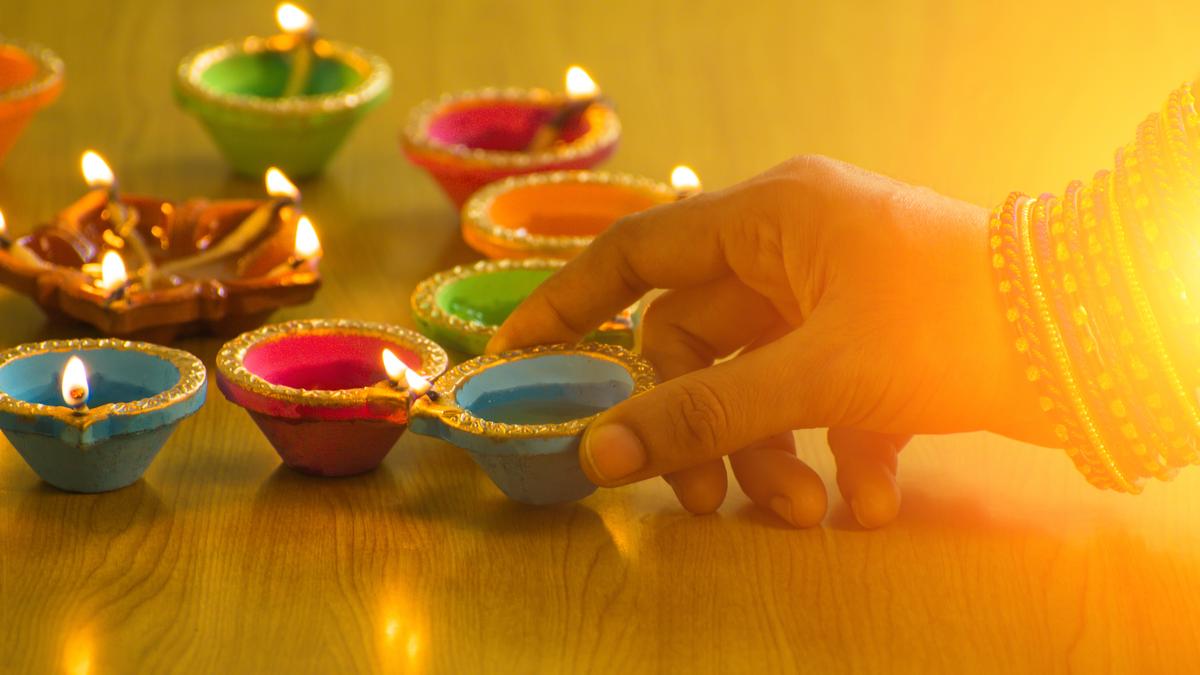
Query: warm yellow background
<point>1002,560</point>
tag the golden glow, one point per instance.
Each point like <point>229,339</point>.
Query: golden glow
<point>292,19</point>
<point>3,225</point>
<point>416,384</point>
<point>278,184</point>
<point>580,84</point>
<point>307,242</point>
<point>112,271</point>
<point>74,383</point>
<point>95,170</point>
<point>684,179</point>
<point>78,654</point>
<point>393,366</point>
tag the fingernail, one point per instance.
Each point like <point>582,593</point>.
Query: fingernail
<point>613,451</point>
<point>783,507</point>
<point>856,507</point>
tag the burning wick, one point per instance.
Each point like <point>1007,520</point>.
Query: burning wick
<point>307,243</point>
<point>582,92</point>
<point>298,23</point>
<point>685,181</point>
<point>99,176</point>
<point>75,385</point>
<point>5,242</point>
<point>113,278</point>
<point>413,383</point>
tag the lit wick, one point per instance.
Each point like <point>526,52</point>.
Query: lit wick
<point>75,385</point>
<point>123,221</point>
<point>685,181</point>
<point>5,242</point>
<point>299,24</point>
<point>307,245</point>
<point>405,379</point>
<point>113,278</point>
<point>582,92</point>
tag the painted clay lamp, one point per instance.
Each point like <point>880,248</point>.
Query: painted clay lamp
<point>321,393</point>
<point>557,214</point>
<point>31,77</point>
<point>151,269</point>
<point>287,100</point>
<point>470,139</point>
<point>461,308</point>
<point>90,415</point>
<point>521,414</point>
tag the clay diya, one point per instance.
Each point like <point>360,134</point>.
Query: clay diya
<point>319,392</point>
<point>469,139</point>
<point>521,414</point>
<point>152,269</point>
<point>288,100</point>
<point>557,214</point>
<point>90,415</point>
<point>461,308</point>
<point>31,77</point>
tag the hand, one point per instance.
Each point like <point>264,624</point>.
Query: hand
<point>853,302</point>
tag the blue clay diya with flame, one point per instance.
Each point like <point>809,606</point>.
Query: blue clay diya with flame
<point>521,414</point>
<point>138,394</point>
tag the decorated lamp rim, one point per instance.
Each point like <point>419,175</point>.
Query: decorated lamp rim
<point>477,212</point>
<point>377,77</point>
<point>191,380</point>
<point>456,417</point>
<point>50,71</point>
<point>424,298</point>
<point>231,359</point>
<point>598,137</point>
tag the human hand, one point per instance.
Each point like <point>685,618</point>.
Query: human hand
<point>853,301</point>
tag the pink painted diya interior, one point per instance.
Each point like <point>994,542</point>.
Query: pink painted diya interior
<point>16,68</point>
<point>505,126</point>
<point>324,361</point>
<point>567,209</point>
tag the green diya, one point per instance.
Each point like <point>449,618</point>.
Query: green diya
<point>461,308</point>
<point>287,100</point>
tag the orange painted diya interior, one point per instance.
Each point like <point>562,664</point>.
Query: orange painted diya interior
<point>568,209</point>
<point>16,67</point>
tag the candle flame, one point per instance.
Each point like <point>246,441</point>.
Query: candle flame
<point>74,382</point>
<point>112,271</point>
<point>684,179</point>
<point>580,84</point>
<point>95,170</point>
<point>3,225</point>
<point>278,184</point>
<point>393,366</point>
<point>292,19</point>
<point>416,384</point>
<point>307,243</point>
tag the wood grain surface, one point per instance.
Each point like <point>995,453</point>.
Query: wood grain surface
<point>221,561</point>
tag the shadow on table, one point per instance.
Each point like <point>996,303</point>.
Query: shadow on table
<point>46,508</point>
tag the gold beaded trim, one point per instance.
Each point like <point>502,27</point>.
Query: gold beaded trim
<point>601,135</point>
<point>191,379</point>
<point>230,360</point>
<point>477,212</point>
<point>424,298</point>
<point>50,71</point>
<point>377,76</point>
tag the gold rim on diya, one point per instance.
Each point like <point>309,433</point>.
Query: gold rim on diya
<point>49,70</point>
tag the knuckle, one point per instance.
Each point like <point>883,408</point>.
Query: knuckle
<point>699,418</point>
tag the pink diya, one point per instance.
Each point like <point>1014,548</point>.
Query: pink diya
<point>321,393</point>
<point>31,77</point>
<point>468,140</point>
<point>196,266</point>
<point>558,214</point>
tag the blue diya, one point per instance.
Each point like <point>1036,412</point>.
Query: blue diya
<point>521,414</point>
<point>102,433</point>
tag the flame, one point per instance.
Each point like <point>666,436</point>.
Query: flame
<point>74,382</point>
<point>416,384</point>
<point>292,19</point>
<point>278,184</point>
<point>95,170</point>
<point>580,84</point>
<point>3,225</point>
<point>392,365</point>
<point>112,271</point>
<point>683,179</point>
<point>307,243</point>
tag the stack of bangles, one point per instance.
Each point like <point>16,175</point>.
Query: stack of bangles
<point>1097,285</point>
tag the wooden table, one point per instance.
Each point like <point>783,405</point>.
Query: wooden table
<point>220,561</point>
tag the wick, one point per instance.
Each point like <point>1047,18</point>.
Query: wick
<point>552,129</point>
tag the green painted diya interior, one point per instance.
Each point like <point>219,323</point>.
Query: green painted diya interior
<point>265,75</point>
<point>490,297</point>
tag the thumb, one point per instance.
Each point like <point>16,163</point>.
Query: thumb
<point>713,412</point>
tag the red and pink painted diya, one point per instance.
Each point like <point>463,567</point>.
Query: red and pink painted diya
<point>31,77</point>
<point>468,140</point>
<point>318,391</point>
<point>236,294</point>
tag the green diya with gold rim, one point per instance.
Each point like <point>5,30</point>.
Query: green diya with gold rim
<point>461,308</point>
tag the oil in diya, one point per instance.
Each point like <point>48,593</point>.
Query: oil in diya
<point>558,214</point>
<point>140,267</point>
<point>461,308</point>
<point>287,100</point>
<point>31,78</point>
<point>91,415</point>
<point>473,138</point>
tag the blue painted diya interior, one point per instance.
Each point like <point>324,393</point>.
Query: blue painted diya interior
<point>114,376</point>
<point>549,389</point>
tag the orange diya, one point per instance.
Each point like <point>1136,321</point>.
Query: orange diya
<point>141,267</point>
<point>557,214</point>
<point>31,77</point>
